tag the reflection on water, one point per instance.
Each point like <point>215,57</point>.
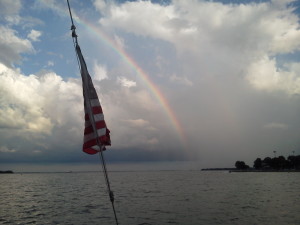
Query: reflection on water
<point>155,197</point>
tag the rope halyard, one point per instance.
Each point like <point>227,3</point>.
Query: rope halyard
<point>110,192</point>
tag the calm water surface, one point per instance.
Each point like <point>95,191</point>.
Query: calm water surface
<point>153,198</point>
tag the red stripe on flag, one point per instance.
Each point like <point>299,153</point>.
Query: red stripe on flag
<point>89,143</point>
<point>90,151</point>
<point>87,146</point>
<point>95,110</point>
<point>105,139</point>
<point>99,125</point>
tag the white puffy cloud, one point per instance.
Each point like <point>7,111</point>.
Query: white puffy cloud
<point>126,82</point>
<point>222,38</point>
<point>34,35</point>
<point>45,112</point>
<point>265,75</point>
<point>21,106</point>
<point>191,24</point>
<point>154,18</point>
<point>100,5</point>
<point>12,46</point>
<point>37,107</point>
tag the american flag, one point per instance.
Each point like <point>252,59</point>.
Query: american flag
<point>93,142</point>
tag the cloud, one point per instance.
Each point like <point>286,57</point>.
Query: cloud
<point>126,82</point>
<point>154,17</point>
<point>200,22</point>
<point>137,122</point>
<point>21,109</point>
<point>153,141</point>
<point>12,46</point>
<point>8,7</point>
<point>100,72</point>
<point>35,110</point>
<point>140,124</point>
<point>274,125</point>
<point>9,11</point>
<point>34,35</point>
<point>181,80</point>
<point>45,113</point>
<point>100,5</point>
<point>119,42</point>
<point>122,106</point>
<point>228,38</point>
<point>50,63</point>
<point>223,58</point>
<point>5,149</point>
<point>265,75</point>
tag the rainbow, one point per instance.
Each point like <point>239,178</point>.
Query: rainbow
<point>142,74</point>
<point>130,61</point>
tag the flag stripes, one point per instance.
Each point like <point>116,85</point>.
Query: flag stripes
<point>95,126</point>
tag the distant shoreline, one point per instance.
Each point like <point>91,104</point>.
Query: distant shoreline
<point>6,171</point>
<point>249,170</point>
<point>259,171</point>
<point>217,169</point>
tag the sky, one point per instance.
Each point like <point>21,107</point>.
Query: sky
<point>210,82</point>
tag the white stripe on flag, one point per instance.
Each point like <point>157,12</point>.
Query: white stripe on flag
<point>96,147</point>
<point>91,136</point>
<point>95,102</point>
<point>98,117</point>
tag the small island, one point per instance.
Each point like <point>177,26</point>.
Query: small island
<point>268,164</point>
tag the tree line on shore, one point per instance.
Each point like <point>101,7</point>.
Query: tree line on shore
<point>277,163</point>
<point>6,171</point>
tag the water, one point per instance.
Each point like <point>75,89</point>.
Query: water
<point>153,198</point>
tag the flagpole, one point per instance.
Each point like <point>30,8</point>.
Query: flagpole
<point>101,155</point>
